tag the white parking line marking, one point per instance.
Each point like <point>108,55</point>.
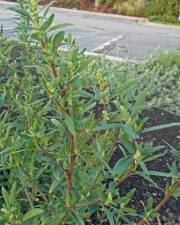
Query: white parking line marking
<point>106,44</point>
<point>8,28</point>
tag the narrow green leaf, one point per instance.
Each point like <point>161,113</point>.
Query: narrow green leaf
<point>121,166</point>
<point>137,107</point>
<point>32,213</point>
<point>177,193</point>
<point>149,204</point>
<point>154,157</point>
<point>85,63</point>
<point>150,150</point>
<point>109,216</point>
<point>55,220</point>
<point>22,12</point>
<point>143,166</point>
<point>160,127</point>
<point>57,40</point>
<point>12,197</point>
<point>158,174</point>
<point>53,186</point>
<point>48,23</point>
<point>128,197</point>
<point>78,219</point>
<point>56,122</point>
<point>70,125</point>
<point>6,197</point>
<point>47,7</point>
<point>130,131</point>
<point>89,107</point>
<point>58,26</point>
<point>174,152</point>
<point>108,127</point>
<point>128,145</point>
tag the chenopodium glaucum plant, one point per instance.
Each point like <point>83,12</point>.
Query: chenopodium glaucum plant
<point>59,128</point>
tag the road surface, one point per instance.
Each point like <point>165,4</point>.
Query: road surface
<point>138,38</point>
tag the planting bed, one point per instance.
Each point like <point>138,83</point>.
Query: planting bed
<point>169,214</point>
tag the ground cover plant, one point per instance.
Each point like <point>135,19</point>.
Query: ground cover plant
<point>71,134</point>
<point>158,10</point>
<point>161,71</point>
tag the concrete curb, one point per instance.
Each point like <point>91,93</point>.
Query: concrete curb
<point>105,56</point>
<point>111,58</point>
<point>6,3</point>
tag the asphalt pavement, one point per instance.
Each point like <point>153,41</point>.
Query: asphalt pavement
<point>137,39</point>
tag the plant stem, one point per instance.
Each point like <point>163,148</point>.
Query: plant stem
<point>131,169</point>
<point>51,156</point>
<point>166,198</point>
<point>33,183</point>
<point>50,62</point>
<point>88,203</point>
<point>26,193</point>
<point>76,206</point>
<point>69,172</point>
<point>97,176</point>
<point>102,165</point>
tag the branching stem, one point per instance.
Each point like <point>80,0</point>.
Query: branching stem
<point>69,172</point>
<point>35,186</point>
<point>73,207</point>
<point>166,198</point>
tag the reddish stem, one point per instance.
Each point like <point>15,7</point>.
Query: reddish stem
<point>69,172</point>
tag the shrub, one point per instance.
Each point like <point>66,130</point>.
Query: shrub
<point>160,71</point>
<point>59,127</point>
<point>162,10</point>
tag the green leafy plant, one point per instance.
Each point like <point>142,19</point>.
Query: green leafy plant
<point>59,129</point>
<point>163,10</point>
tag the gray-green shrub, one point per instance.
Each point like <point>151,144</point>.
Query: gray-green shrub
<point>59,127</point>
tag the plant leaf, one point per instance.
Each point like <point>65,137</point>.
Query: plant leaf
<point>58,26</point>
<point>6,197</point>
<point>158,174</point>
<point>130,131</point>
<point>12,197</point>
<point>32,213</point>
<point>109,216</point>
<point>56,122</point>
<point>149,204</point>
<point>159,127</point>
<point>57,40</point>
<point>48,23</point>
<point>177,193</point>
<point>70,125</point>
<point>22,12</point>
<point>78,219</point>
<point>107,127</point>
<point>121,166</point>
